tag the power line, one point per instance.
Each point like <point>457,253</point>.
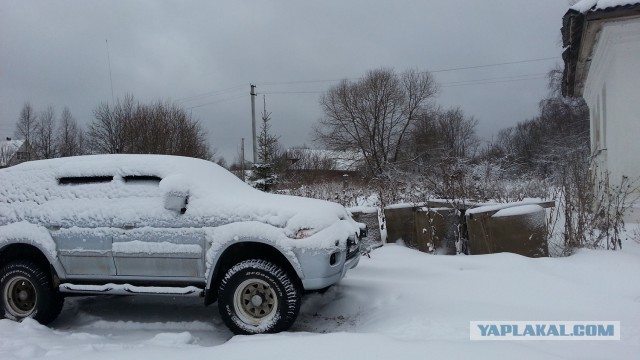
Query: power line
<point>219,101</point>
<point>237,88</point>
<point>212,93</point>
<point>492,82</point>
<point>496,64</point>
<point>307,81</point>
<point>501,77</point>
<point>431,71</point>
<point>511,77</point>
<point>291,92</point>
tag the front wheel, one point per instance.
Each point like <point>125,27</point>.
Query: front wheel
<point>27,291</point>
<point>257,296</point>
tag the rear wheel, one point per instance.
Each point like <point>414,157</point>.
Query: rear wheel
<point>27,291</point>
<point>257,296</point>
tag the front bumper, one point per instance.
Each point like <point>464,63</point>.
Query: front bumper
<point>319,274</point>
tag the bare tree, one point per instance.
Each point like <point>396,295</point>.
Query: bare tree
<point>222,162</point>
<point>6,154</point>
<point>456,133</point>
<point>83,146</point>
<point>422,144</point>
<point>157,128</point>
<point>373,115</point>
<point>107,132</point>
<point>69,138</point>
<point>165,128</point>
<point>303,158</point>
<point>541,145</point>
<point>441,136</point>
<point>44,139</point>
<point>25,127</point>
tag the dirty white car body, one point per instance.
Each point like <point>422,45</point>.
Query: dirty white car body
<point>153,224</point>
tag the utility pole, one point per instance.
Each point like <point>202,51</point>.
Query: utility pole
<point>253,123</point>
<point>242,161</point>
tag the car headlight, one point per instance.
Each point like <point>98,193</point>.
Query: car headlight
<point>303,233</point>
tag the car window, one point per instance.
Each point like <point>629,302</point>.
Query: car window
<point>142,179</point>
<point>80,180</point>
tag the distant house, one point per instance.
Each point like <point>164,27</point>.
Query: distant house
<point>12,152</point>
<point>602,64</point>
<point>314,164</point>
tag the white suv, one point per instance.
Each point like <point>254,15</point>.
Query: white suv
<point>153,224</point>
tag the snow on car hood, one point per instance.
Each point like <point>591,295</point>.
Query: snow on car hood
<point>293,214</point>
<point>31,191</point>
<point>227,199</point>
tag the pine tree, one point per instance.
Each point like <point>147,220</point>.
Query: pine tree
<point>264,177</point>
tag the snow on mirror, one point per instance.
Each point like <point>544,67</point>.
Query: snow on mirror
<point>176,201</point>
<point>176,189</point>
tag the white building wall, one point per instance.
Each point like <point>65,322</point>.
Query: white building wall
<point>612,91</point>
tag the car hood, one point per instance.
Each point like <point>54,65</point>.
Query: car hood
<point>297,216</point>
<point>221,198</point>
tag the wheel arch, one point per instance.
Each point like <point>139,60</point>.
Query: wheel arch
<point>25,251</point>
<point>245,250</point>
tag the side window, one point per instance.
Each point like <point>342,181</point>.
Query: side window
<point>141,185</point>
<point>104,186</point>
<point>83,180</point>
<point>85,187</point>
<point>142,179</point>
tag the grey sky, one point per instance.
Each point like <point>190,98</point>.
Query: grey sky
<point>54,53</point>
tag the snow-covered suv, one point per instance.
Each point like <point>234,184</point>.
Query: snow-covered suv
<point>152,224</point>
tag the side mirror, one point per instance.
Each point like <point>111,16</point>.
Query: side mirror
<point>176,192</point>
<point>176,201</point>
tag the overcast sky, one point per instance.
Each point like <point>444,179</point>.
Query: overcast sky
<point>204,55</point>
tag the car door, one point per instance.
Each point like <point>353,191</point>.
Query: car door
<point>82,235</point>
<point>153,241</point>
<point>84,251</point>
<point>159,252</point>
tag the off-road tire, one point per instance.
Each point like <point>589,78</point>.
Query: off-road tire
<point>27,291</point>
<point>257,296</point>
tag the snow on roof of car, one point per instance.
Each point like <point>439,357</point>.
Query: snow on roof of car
<point>179,171</point>
<point>125,164</point>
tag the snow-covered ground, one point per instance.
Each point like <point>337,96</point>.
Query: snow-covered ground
<point>400,304</point>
